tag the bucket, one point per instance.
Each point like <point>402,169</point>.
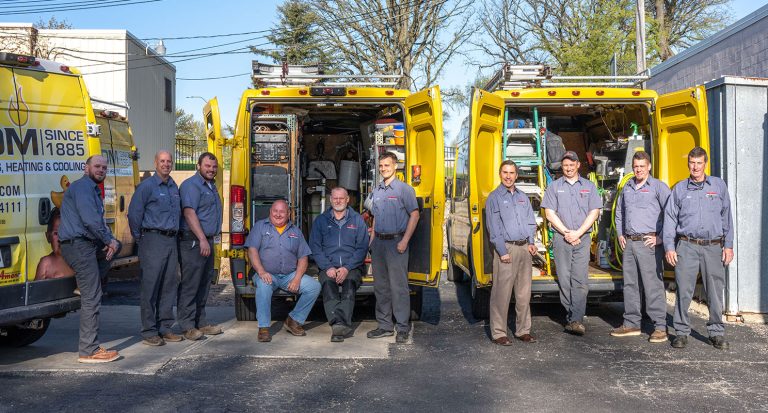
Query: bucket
<point>349,175</point>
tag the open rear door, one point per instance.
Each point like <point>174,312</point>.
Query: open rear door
<point>485,140</point>
<point>425,171</point>
<point>681,124</point>
<point>215,141</point>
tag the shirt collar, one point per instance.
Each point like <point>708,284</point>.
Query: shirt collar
<point>159,181</point>
<point>690,183</point>
<point>392,184</point>
<point>205,182</point>
<point>648,182</point>
<point>288,226</point>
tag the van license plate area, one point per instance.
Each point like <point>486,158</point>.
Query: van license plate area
<point>5,256</point>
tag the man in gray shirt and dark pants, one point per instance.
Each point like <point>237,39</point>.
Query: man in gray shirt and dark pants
<point>88,247</point>
<point>153,216</point>
<point>698,237</point>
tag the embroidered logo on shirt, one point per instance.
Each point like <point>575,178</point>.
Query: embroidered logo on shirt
<point>711,194</point>
<point>584,191</point>
<point>391,197</point>
<point>351,226</point>
<point>292,235</point>
<point>645,190</point>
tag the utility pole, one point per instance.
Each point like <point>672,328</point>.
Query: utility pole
<point>640,36</point>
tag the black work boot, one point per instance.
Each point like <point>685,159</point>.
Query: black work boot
<point>680,341</point>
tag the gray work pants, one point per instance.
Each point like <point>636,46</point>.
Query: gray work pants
<point>339,305</point>
<point>91,266</point>
<point>572,264</point>
<point>506,278</point>
<point>692,259</point>
<point>196,277</point>
<point>642,265</point>
<point>158,256</point>
<point>390,285</point>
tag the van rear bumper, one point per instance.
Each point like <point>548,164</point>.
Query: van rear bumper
<point>16,315</point>
<point>544,291</point>
<point>250,290</point>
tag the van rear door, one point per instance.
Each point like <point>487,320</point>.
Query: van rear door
<point>425,171</point>
<point>124,176</point>
<point>485,141</point>
<point>215,141</point>
<point>681,124</point>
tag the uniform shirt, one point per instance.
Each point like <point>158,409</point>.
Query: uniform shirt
<point>572,203</point>
<point>698,211</point>
<point>82,213</point>
<point>641,210</point>
<point>339,243</point>
<point>201,196</point>
<point>510,218</point>
<point>392,206</point>
<point>154,205</point>
<point>279,253</point>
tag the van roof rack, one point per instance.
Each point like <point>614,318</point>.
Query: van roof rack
<point>285,75</point>
<point>512,76</point>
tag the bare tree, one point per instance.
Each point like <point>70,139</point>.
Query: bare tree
<point>677,24</point>
<point>502,35</point>
<point>27,40</point>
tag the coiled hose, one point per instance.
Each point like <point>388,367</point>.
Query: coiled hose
<point>617,250</point>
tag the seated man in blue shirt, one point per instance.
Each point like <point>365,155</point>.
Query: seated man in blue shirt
<point>279,254</point>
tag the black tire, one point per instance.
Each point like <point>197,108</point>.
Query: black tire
<point>417,303</point>
<point>481,301</point>
<point>20,337</point>
<point>245,308</point>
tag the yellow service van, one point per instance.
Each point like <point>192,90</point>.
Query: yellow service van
<point>524,114</point>
<point>303,133</point>
<point>47,130</point>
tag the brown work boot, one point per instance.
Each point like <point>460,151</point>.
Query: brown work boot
<point>193,334</point>
<point>173,338</point>
<point>264,336</point>
<point>154,341</point>
<point>625,331</point>
<point>210,330</point>
<point>294,327</point>
<point>575,328</point>
<point>658,336</point>
<point>101,355</point>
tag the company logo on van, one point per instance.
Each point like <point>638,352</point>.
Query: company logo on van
<point>18,111</point>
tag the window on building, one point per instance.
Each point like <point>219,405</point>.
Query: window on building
<point>168,95</point>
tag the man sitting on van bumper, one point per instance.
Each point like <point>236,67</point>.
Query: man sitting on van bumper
<point>280,255</point>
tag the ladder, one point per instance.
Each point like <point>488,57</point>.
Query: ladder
<point>285,75</point>
<point>512,76</point>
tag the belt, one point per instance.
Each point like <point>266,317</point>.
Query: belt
<point>72,241</point>
<point>188,235</point>
<point>390,236</point>
<point>705,242</point>
<point>640,237</point>
<point>518,242</point>
<point>166,232</point>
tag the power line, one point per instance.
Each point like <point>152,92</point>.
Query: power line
<point>215,77</point>
<point>84,6</point>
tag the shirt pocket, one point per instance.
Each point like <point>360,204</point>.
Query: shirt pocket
<point>713,204</point>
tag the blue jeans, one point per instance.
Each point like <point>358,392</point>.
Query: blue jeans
<point>309,289</point>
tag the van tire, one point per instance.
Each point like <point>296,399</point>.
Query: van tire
<point>417,303</point>
<point>481,301</point>
<point>20,337</point>
<point>245,308</point>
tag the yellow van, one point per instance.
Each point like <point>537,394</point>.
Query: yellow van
<point>516,116</point>
<point>303,133</point>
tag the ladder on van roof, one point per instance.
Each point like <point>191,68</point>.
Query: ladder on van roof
<point>285,75</point>
<point>512,76</point>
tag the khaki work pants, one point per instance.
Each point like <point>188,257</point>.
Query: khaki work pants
<point>506,278</point>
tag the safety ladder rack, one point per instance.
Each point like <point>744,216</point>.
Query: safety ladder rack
<point>529,76</point>
<point>265,75</point>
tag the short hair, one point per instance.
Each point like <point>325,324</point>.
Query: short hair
<point>508,162</point>
<point>340,188</point>
<point>390,155</point>
<point>641,156</point>
<point>206,155</point>
<point>55,214</point>
<point>698,152</point>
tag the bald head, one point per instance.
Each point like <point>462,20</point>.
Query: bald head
<point>163,164</point>
<point>278,213</point>
<point>96,168</point>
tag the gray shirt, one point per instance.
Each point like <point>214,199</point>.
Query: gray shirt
<point>640,210</point>
<point>82,213</point>
<point>510,218</point>
<point>154,205</point>
<point>700,211</point>
<point>392,205</point>
<point>572,202</point>
<point>201,196</point>
<point>279,253</point>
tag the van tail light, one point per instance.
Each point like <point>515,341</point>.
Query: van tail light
<point>237,215</point>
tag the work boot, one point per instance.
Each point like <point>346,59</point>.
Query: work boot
<point>379,333</point>
<point>264,336</point>
<point>210,330</point>
<point>339,332</point>
<point>658,336</point>
<point>294,327</point>
<point>173,338</point>
<point>719,342</point>
<point>155,341</point>
<point>402,337</point>
<point>101,355</point>
<point>680,341</point>
<point>193,334</point>
<point>575,328</point>
<point>625,331</point>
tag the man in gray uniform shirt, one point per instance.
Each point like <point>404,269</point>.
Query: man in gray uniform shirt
<point>153,216</point>
<point>572,205</point>
<point>202,216</point>
<point>639,218</point>
<point>395,215</point>
<point>88,246</point>
<point>511,227</point>
<point>698,237</point>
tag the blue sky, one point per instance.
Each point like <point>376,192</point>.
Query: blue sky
<point>177,18</point>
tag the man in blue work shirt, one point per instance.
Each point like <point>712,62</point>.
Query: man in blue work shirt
<point>153,217</point>
<point>88,246</point>
<point>339,243</point>
<point>639,218</point>
<point>201,223</point>
<point>280,255</point>
<point>572,205</point>
<point>511,228</point>
<point>698,237</point>
<point>395,215</point>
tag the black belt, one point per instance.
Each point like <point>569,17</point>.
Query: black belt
<point>166,232</point>
<point>641,237</point>
<point>189,235</point>
<point>704,242</point>
<point>518,242</point>
<point>72,241</point>
<point>390,236</point>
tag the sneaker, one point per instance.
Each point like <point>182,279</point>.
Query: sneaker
<point>210,330</point>
<point>379,333</point>
<point>402,337</point>
<point>575,328</point>
<point>155,341</point>
<point>101,355</point>
<point>658,336</point>
<point>173,338</point>
<point>719,342</point>
<point>193,334</point>
<point>680,341</point>
<point>625,331</point>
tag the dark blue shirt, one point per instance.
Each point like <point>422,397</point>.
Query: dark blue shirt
<point>572,202</point>
<point>640,210</point>
<point>82,212</point>
<point>154,205</point>
<point>279,253</point>
<point>701,211</point>
<point>339,243</point>
<point>202,197</point>
<point>392,206</point>
<point>510,218</point>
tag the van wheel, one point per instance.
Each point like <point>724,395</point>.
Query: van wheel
<point>417,303</point>
<point>245,308</point>
<point>20,337</point>
<point>481,301</point>
<point>455,273</point>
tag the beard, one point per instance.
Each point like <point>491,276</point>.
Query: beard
<point>338,208</point>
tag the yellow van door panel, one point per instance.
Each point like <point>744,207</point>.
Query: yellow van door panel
<point>487,117</point>
<point>12,201</point>
<point>58,145</point>
<point>681,124</point>
<point>117,147</point>
<point>425,171</point>
<point>109,181</point>
<point>215,146</point>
